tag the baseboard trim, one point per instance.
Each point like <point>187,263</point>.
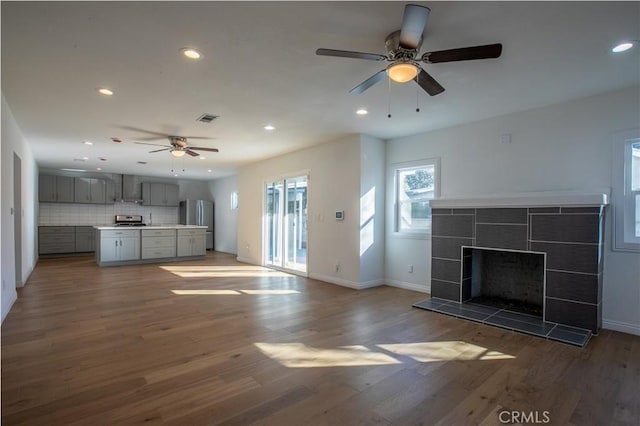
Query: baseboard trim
<point>409,286</point>
<point>623,327</point>
<point>346,283</point>
<point>14,298</point>
<point>245,260</point>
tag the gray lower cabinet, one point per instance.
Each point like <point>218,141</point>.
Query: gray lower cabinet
<point>55,189</point>
<point>160,194</point>
<point>158,243</point>
<point>191,242</point>
<point>85,239</point>
<point>56,239</point>
<point>117,246</point>
<point>90,191</point>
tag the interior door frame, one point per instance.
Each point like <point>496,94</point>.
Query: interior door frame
<point>283,177</point>
<point>17,218</point>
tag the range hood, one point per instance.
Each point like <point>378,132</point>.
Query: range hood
<point>129,189</point>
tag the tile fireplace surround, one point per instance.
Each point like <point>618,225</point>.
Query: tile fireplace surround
<point>568,229</point>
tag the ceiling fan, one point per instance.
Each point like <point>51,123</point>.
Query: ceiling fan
<point>178,145</point>
<point>403,48</point>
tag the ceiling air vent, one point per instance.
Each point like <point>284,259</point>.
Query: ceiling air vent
<point>207,118</point>
<point>142,162</point>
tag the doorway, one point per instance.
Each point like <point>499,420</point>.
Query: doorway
<point>285,211</point>
<point>17,217</point>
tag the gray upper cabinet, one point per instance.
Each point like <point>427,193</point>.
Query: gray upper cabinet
<point>160,194</point>
<point>90,190</point>
<point>55,189</point>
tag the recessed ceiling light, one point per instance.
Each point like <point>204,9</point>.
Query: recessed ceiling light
<point>176,175</point>
<point>85,158</point>
<point>362,111</point>
<point>105,91</point>
<point>202,157</point>
<point>269,127</point>
<point>621,47</point>
<point>87,143</point>
<point>98,168</point>
<point>209,170</point>
<point>191,53</point>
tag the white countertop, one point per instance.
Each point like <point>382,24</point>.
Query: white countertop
<point>105,227</point>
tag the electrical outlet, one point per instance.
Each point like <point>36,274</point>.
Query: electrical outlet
<point>410,269</point>
<point>337,267</point>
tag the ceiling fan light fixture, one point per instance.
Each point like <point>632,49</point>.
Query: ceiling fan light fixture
<point>177,153</point>
<point>401,72</point>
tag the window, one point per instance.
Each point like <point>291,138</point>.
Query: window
<point>626,190</point>
<point>415,184</point>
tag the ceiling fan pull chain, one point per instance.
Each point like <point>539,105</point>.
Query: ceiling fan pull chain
<point>418,93</point>
<point>389,99</point>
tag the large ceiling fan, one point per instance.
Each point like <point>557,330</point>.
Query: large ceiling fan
<point>403,48</point>
<point>178,145</point>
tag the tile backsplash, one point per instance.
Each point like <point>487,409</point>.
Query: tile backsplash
<point>103,214</point>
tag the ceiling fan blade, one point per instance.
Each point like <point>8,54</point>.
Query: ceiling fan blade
<point>199,148</point>
<point>137,129</point>
<point>428,83</point>
<point>152,144</point>
<point>350,54</point>
<point>198,137</point>
<point>191,153</point>
<point>369,82</point>
<point>158,150</point>
<point>464,54</point>
<point>414,22</point>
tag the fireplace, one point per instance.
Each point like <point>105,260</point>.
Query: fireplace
<point>540,255</point>
<point>506,279</point>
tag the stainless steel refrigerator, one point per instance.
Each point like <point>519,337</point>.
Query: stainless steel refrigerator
<point>198,212</point>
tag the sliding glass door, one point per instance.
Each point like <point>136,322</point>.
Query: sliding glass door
<point>285,237</point>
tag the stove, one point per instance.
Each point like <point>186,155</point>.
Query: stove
<point>129,220</point>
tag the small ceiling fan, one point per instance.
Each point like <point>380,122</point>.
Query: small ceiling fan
<point>178,145</point>
<point>403,48</point>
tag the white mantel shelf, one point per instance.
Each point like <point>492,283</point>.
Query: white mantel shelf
<point>531,199</point>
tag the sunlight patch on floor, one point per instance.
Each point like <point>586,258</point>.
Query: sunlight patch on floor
<point>299,355</point>
<point>443,351</point>
<point>240,271</point>
<point>231,292</point>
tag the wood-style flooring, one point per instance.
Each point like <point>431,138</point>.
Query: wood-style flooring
<point>220,342</point>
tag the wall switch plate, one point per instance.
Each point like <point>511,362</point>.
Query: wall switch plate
<point>410,269</point>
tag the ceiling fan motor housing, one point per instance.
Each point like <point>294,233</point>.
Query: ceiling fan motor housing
<point>395,52</point>
<point>178,141</point>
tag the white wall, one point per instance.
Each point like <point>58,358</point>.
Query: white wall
<point>372,200</point>
<point>13,142</point>
<point>564,147</point>
<point>225,234</point>
<point>334,184</point>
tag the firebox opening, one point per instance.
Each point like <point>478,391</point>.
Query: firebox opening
<point>512,280</point>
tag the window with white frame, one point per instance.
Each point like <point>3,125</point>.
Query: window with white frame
<point>626,190</point>
<point>415,184</point>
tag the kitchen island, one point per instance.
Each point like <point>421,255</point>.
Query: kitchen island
<point>127,245</point>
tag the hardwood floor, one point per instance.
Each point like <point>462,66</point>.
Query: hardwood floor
<point>220,342</point>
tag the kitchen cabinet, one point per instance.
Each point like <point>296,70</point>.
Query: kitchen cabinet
<point>55,189</point>
<point>90,190</point>
<point>191,242</point>
<point>158,243</point>
<point>56,239</point>
<point>117,246</point>
<point>160,194</point>
<point>85,241</point>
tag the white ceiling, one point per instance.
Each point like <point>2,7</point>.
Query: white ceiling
<point>260,67</point>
